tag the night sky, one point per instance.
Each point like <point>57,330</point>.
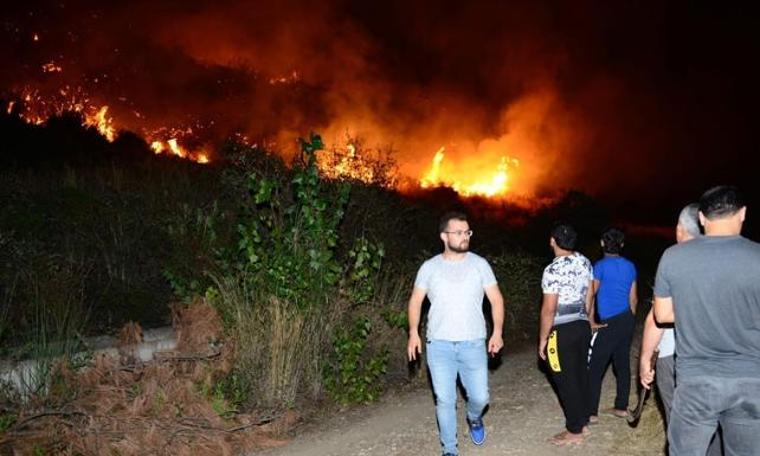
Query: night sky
<point>641,104</point>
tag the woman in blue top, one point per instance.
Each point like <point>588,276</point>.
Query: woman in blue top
<point>615,288</point>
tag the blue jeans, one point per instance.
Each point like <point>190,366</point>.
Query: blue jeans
<point>700,403</point>
<point>467,359</point>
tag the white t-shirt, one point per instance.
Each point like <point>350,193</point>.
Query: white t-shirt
<point>455,290</point>
<point>667,343</point>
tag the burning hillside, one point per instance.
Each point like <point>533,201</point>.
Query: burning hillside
<point>186,78</point>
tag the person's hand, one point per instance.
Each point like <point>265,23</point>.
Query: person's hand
<point>646,372</point>
<point>596,326</point>
<point>495,344</point>
<point>414,346</point>
<point>542,349</point>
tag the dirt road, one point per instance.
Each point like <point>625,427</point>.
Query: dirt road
<point>524,413</point>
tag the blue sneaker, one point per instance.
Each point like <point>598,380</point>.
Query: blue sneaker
<point>477,431</point>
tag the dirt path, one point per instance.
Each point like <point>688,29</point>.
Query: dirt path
<point>524,412</point>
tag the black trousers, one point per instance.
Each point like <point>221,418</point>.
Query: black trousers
<point>568,367</point>
<point>613,343</point>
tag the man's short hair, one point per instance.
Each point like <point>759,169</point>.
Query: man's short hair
<point>721,201</point>
<point>449,216</point>
<point>613,239</point>
<point>689,219</point>
<point>565,236</point>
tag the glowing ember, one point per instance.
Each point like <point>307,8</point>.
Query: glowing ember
<point>487,183</point>
<point>290,79</point>
<point>10,107</point>
<point>356,162</point>
<point>51,67</point>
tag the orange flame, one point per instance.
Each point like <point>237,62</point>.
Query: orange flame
<point>37,109</point>
<point>433,176</point>
<point>173,147</point>
<point>102,123</point>
<point>488,183</point>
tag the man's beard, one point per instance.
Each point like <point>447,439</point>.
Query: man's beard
<point>463,247</point>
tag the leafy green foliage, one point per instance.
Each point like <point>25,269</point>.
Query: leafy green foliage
<point>288,249</point>
<point>352,377</point>
<point>7,419</point>
<point>292,278</point>
<point>397,319</point>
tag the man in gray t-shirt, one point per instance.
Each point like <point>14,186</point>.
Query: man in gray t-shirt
<point>455,282</point>
<point>709,287</point>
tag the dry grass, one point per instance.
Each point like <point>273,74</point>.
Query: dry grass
<point>646,438</point>
<point>151,408</point>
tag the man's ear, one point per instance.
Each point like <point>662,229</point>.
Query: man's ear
<point>702,218</point>
<point>743,212</point>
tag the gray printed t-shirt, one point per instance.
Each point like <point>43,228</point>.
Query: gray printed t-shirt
<point>455,290</point>
<point>569,277</point>
<point>714,282</point>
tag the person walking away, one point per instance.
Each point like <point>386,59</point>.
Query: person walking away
<point>709,288</point>
<point>455,282</point>
<point>564,332</point>
<point>616,299</point>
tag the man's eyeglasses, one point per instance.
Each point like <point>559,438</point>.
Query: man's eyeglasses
<point>467,233</point>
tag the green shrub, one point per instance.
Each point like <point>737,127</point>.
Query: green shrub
<point>284,289</point>
<point>352,377</point>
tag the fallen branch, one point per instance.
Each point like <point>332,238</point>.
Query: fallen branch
<point>188,422</point>
<point>21,424</point>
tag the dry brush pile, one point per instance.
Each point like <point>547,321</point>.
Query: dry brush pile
<point>117,405</point>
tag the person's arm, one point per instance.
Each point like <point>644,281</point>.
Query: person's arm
<point>591,305</point>
<point>663,310</point>
<point>497,314</point>
<point>414,345</point>
<point>633,297</point>
<point>548,309</point>
<point>649,343</point>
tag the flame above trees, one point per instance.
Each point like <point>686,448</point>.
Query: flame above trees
<point>487,182</point>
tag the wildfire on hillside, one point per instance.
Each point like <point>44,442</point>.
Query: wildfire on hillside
<point>36,109</point>
<point>267,81</point>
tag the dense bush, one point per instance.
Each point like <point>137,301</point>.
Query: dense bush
<point>283,291</point>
